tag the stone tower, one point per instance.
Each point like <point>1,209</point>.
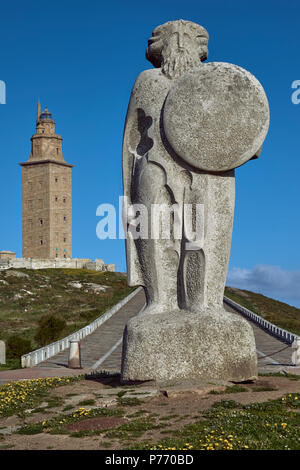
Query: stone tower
<point>47,194</point>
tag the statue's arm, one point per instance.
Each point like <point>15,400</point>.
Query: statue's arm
<point>128,155</point>
<point>131,134</point>
<point>141,112</point>
<point>130,139</point>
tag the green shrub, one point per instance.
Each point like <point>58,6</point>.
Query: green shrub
<point>16,346</point>
<point>49,330</point>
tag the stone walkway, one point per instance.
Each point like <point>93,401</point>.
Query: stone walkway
<point>270,346</point>
<point>102,350</point>
<point>96,345</point>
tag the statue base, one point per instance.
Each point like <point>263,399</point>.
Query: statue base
<point>182,346</point>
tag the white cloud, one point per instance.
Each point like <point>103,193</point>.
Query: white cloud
<point>271,281</point>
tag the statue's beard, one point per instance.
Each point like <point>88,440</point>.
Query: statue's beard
<point>176,62</point>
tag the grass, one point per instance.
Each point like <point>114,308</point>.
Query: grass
<point>68,408</point>
<point>16,397</point>
<point>87,403</point>
<point>168,418</point>
<point>57,425</point>
<point>29,429</point>
<point>24,300</point>
<point>279,374</point>
<point>11,364</point>
<point>54,402</point>
<point>228,425</point>
<point>263,389</point>
<point>279,313</point>
<point>6,446</point>
<point>138,414</point>
<point>126,401</point>
<point>107,444</point>
<point>230,389</point>
<point>134,429</point>
<point>39,410</point>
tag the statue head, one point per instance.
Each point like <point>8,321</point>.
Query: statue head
<point>177,46</point>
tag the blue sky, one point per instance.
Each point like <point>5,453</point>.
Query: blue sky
<point>82,58</point>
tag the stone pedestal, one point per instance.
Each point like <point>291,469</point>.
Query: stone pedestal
<point>179,346</point>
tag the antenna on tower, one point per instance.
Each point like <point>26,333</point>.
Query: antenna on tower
<point>38,111</point>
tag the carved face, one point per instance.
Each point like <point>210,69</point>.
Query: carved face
<point>177,46</point>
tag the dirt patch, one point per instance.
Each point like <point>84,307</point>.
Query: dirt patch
<point>95,424</point>
<point>87,386</point>
<point>83,387</point>
<point>189,402</point>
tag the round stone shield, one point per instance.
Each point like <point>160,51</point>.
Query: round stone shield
<point>216,116</point>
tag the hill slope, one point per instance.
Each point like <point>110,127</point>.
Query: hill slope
<point>80,296</point>
<point>276,312</point>
<point>76,295</point>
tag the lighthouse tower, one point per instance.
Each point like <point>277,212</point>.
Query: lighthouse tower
<point>47,194</point>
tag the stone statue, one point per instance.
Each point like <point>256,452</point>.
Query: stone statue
<point>188,126</point>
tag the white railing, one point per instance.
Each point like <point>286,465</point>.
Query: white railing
<point>285,335</point>
<point>39,355</point>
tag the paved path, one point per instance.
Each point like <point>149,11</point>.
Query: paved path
<point>268,345</point>
<point>102,349</point>
<point>97,344</point>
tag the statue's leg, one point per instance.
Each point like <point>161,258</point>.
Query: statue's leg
<point>219,222</point>
<point>158,257</point>
<point>205,270</point>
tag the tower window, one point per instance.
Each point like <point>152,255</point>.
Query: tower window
<point>56,198</point>
<point>41,242</point>
<point>64,200</point>
<point>56,180</point>
<point>65,218</point>
<point>57,151</point>
<point>41,222</point>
